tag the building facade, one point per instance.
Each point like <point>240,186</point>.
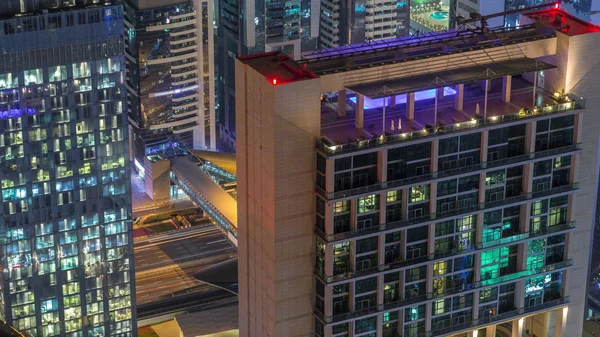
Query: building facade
<point>170,75</point>
<point>443,195</point>
<point>349,22</point>
<point>67,253</point>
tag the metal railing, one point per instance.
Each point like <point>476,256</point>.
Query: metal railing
<point>468,288</point>
<point>446,173</point>
<point>329,149</point>
<point>409,263</point>
<point>440,216</point>
<point>496,318</point>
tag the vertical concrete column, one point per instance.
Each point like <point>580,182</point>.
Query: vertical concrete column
<point>393,101</point>
<point>360,111</point>
<point>432,199</point>
<point>353,216</point>
<point>400,327</point>
<point>381,251</point>
<point>328,301</point>
<point>428,315</point>
<point>431,239</point>
<point>382,213</point>
<point>476,305</point>
<point>404,209</point>
<point>403,244</point>
<point>410,106</point>
<point>561,321</point>
<point>379,325</point>
<point>434,155</point>
<point>517,327</point>
<point>477,266</point>
<point>459,98</point>
<point>401,282</point>
<point>382,159</point>
<point>484,147</point>
<point>530,130</point>
<point>490,331</point>
<point>342,103</point>
<point>506,88</point>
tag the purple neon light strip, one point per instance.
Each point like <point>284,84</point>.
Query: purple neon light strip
<point>401,99</point>
<point>15,113</point>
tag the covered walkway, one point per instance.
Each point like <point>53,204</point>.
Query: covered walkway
<point>206,193</point>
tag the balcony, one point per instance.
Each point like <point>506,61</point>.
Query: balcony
<point>496,319</point>
<point>340,135</point>
<point>440,216</point>
<point>434,176</point>
<point>469,288</point>
<point>410,263</point>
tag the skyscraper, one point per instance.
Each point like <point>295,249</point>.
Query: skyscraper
<point>255,26</point>
<point>170,75</point>
<point>449,190</point>
<point>348,21</point>
<point>67,256</point>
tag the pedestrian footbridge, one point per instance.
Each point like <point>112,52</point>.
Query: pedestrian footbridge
<point>198,185</point>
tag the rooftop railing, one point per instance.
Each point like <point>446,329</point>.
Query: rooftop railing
<point>446,173</point>
<point>440,216</point>
<point>575,102</point>
<point>409,263</point>
<point>467,288</point>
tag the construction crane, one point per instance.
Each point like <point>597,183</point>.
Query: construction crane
<point>482,19</point>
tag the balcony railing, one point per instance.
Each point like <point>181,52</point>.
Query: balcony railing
<point>505,316</point>
<point>468,288</point>
<point>440,216</point>
<point>409,263</point>
<point>446,173</point>
<point>575,103</point>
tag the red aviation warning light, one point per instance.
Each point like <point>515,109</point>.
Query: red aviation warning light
<point>274,81</point>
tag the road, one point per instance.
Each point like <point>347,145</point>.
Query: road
<point>166,263</point>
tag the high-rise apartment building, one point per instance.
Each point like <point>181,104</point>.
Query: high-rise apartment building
<point>255,26</point>
<point>357,21</point>
<point>65,221</point>
<point>170,75</point>
<point>450,190</point>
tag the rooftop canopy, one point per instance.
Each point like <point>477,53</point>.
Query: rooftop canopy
<point>434,80</point>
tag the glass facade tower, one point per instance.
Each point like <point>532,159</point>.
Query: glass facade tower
<point>65,221</point>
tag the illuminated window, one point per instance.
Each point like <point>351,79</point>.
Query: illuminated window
<point>341,206</point>
<point>368,203</point>
<point>393,196</point>
<point>33,76</point>
<point>58,73</point>
<point>465,223</point>
<point>440,268</point>
<point>81,69</point>
<point>419,193</point>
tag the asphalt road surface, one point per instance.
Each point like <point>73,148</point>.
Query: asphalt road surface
<point>165,263</point>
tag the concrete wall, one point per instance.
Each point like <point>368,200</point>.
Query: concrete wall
<point>276,128</point>
<point>156,179</point>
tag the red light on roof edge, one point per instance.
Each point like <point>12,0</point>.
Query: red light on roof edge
<point>274,81</point>
<point>557,5</point>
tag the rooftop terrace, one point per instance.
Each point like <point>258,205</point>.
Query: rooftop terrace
<point>340,134</point>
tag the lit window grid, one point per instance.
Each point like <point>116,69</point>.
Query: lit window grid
<point>98,243</point>
<point>438,268</point>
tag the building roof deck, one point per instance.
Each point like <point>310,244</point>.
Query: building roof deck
<point>377,53</point>
<point>563,21</point>
<point>277,67</point>
<point>339,134</point>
